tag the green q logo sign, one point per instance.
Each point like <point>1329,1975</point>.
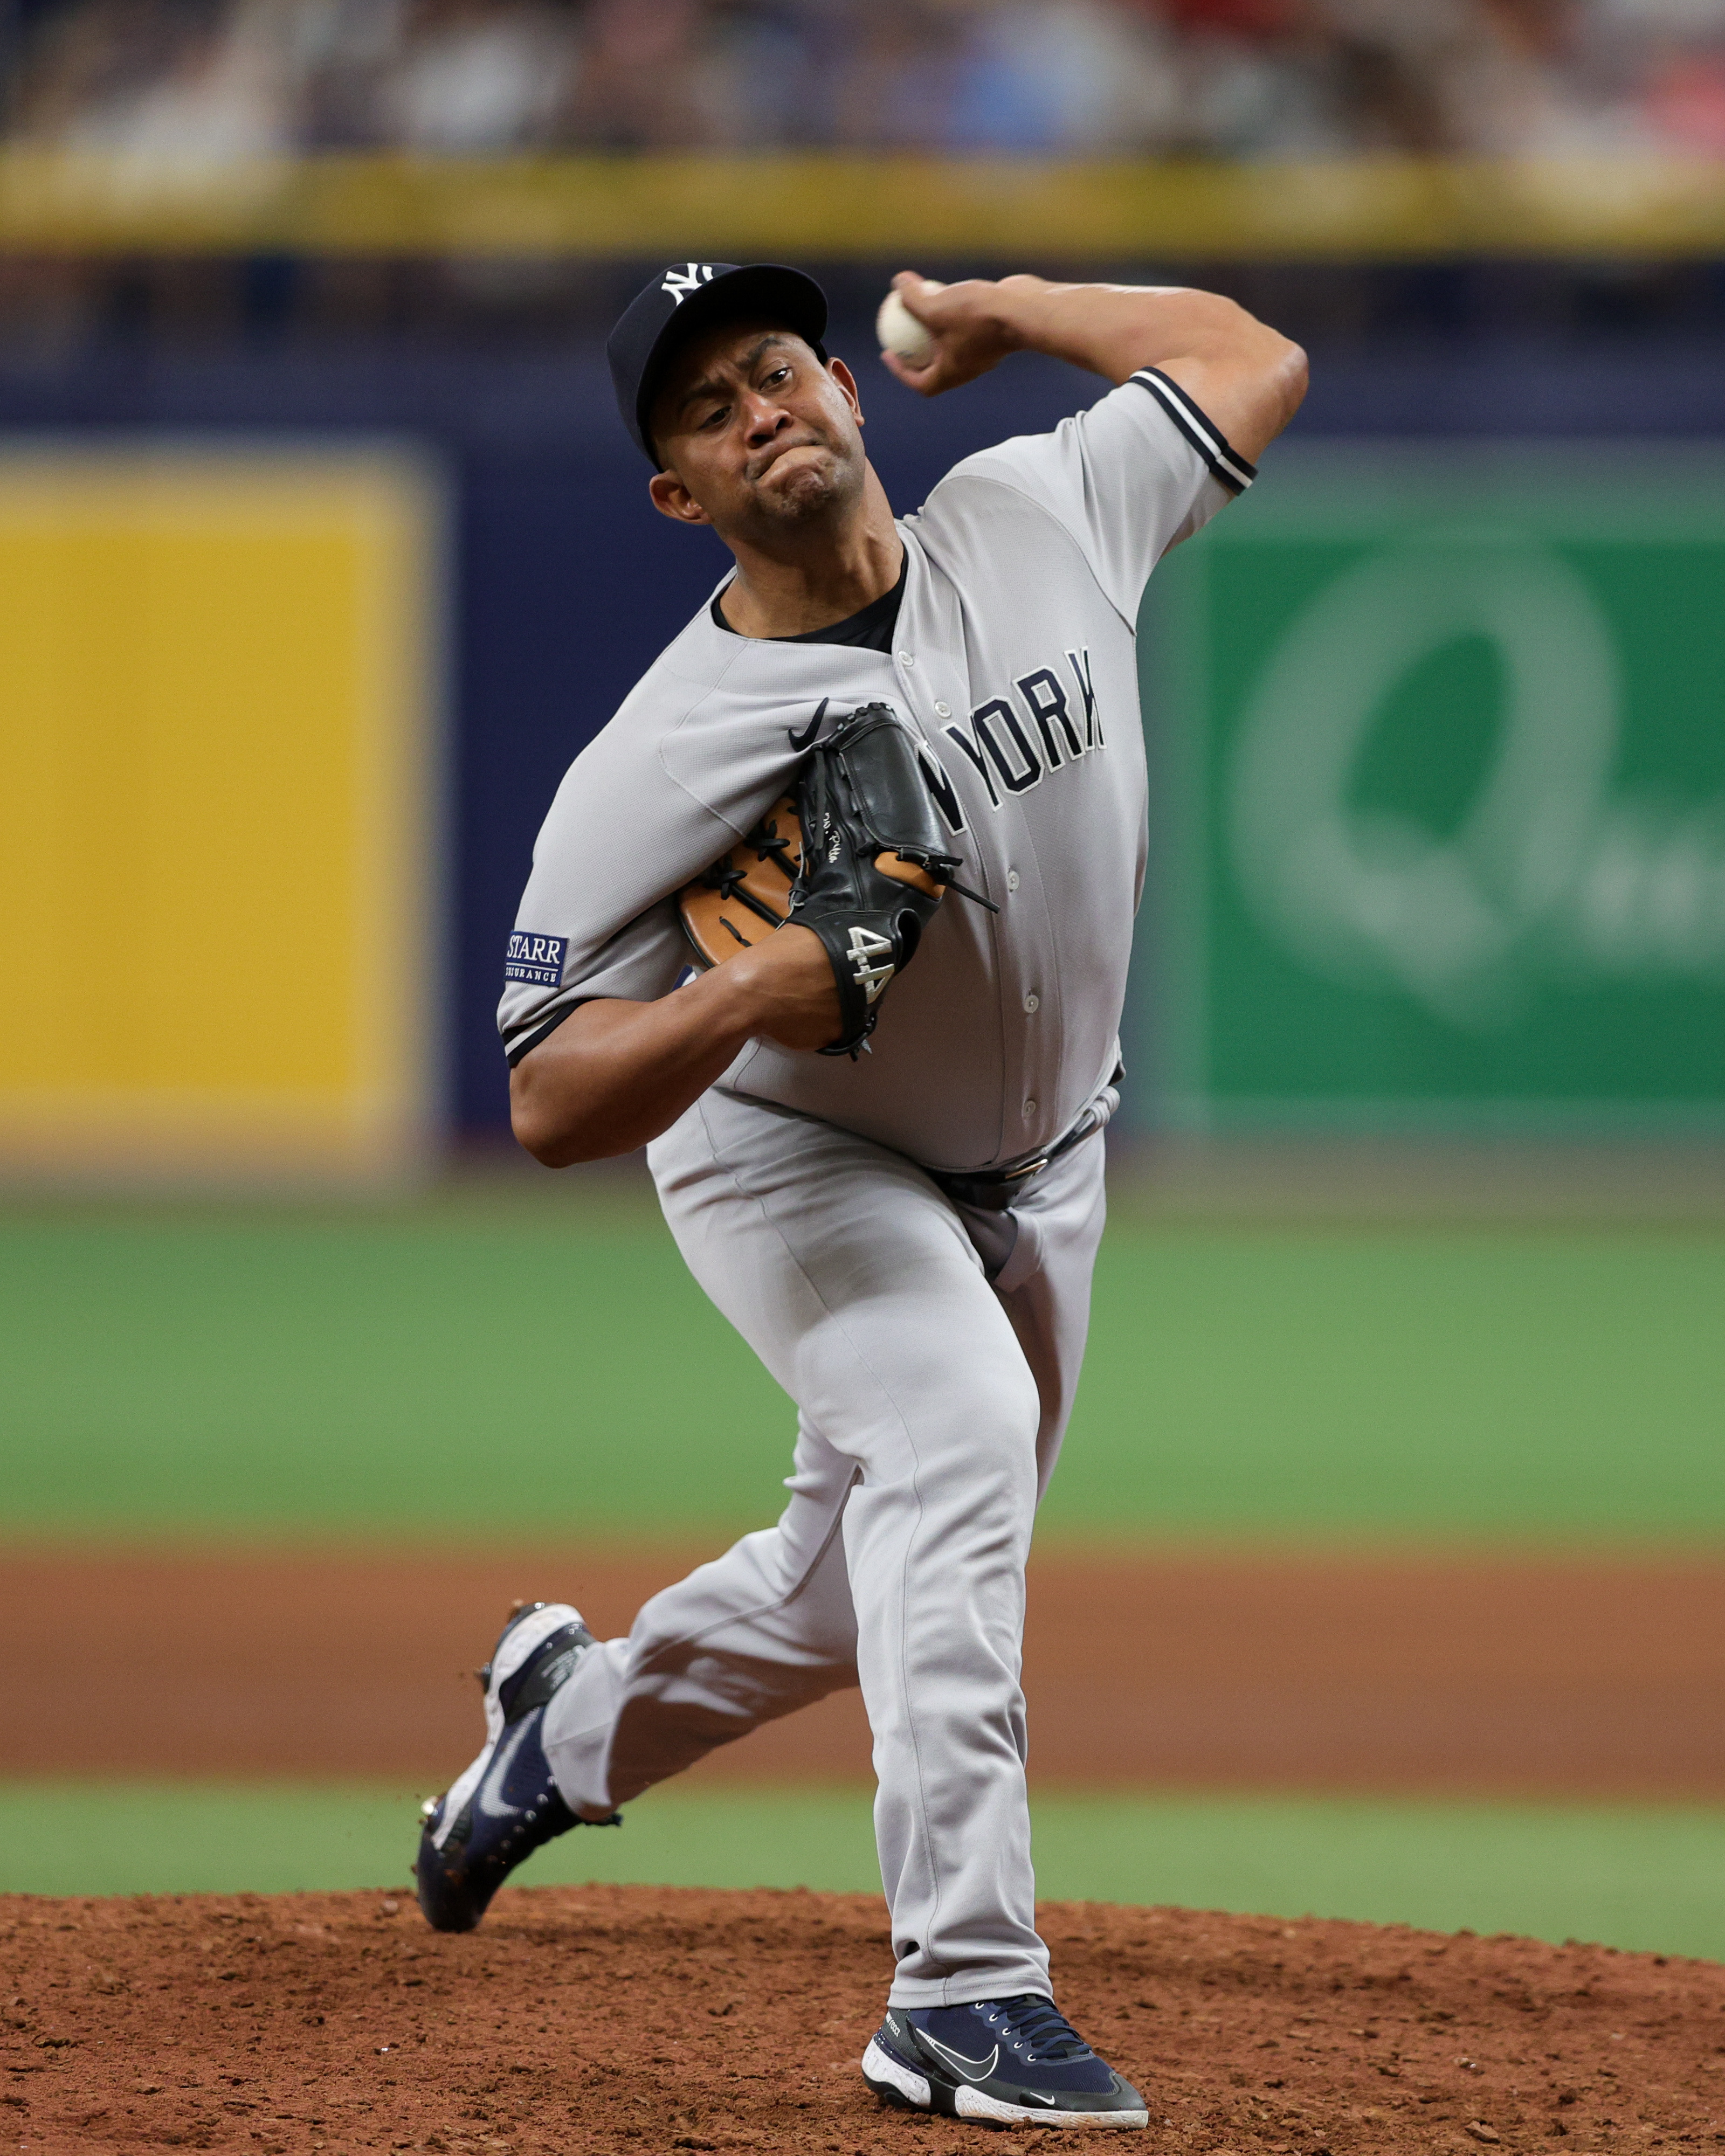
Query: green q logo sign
<point>1547,871</point>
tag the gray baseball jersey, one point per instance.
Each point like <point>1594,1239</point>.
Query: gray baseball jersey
<point>1014,660</point>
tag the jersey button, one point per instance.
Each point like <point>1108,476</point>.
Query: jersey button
<point>943,711</point>
<point>1030,1107</point>
<point>905,660</point>
<point>1012,879</point>
<point>1032,1002</point>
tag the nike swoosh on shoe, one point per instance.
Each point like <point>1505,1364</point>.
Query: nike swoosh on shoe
<point>972,2069</point>
<point>502,1760</point>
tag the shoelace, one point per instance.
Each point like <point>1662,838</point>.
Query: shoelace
<point>1039,2027</point>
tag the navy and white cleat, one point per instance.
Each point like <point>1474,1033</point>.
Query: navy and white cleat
<point>1009,2061</point>
<point>507,1805</point>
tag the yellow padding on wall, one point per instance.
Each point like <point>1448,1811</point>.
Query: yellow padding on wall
<point>812,205</point>
<point>215,751</point>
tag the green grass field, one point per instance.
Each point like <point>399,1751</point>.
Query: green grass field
<point>502,1366</point>
<point>1636,1876</point>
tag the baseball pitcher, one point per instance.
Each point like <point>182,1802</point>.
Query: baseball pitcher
<point>833,917</point>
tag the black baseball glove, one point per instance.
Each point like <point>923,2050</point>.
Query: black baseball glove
<point>865,869</point>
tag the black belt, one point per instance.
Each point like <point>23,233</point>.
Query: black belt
<point>992,1190</point>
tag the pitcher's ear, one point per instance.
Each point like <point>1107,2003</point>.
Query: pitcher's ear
<point>672,499</point>
<point>847,382</point>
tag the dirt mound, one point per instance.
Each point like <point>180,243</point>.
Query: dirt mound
<point>588,2020</point>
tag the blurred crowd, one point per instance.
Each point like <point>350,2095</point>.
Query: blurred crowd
<point>212,80</point>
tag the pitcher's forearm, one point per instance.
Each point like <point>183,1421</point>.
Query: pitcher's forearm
<point>1113,329</point>
<point>616,1074</point>
<point>1248,378</point>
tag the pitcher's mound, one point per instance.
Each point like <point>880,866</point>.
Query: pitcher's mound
<point>616,2019</point>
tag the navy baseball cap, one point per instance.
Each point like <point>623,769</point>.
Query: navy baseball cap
<point>689,297</point>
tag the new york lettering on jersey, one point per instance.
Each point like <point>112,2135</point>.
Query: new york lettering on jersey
<point>1054,729</point>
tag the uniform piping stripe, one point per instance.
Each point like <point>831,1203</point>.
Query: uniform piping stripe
<point>516,1050</point>
<point>1225,464</point>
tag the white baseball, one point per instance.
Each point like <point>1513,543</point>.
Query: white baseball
<point>899,329</point>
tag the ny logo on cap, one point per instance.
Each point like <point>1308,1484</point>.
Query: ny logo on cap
<point>680,283</point>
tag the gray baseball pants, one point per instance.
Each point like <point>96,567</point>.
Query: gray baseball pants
<point>933,1353</point>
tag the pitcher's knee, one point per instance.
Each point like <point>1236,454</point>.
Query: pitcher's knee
<point>1002,1394</point>
<point>981,1431</point>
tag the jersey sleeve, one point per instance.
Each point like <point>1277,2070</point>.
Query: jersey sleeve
<point>672,784</point>
<point>598,917</point>
<point>1138,472</point>
<point>641,963</point>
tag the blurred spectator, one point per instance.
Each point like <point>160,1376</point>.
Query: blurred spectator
<point>765,73</point>
<point>226,80</point>
<point>475,76</point>
<point>1075,76</point>
<point>168,82</point>
<point>637,75</point>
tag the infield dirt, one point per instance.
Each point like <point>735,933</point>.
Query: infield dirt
<point>1491,1674</point>
<point>592,2020</point>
